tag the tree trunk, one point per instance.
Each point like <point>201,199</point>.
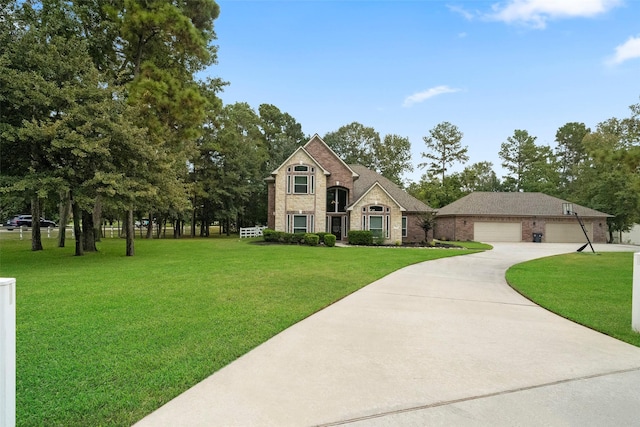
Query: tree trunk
<point>88,232</point>
<point>65,207</point>
<point>36,237</point>
<point>76,226</point>
<point>129,232</point>
<point>150,226</point>
<point>97,219</point>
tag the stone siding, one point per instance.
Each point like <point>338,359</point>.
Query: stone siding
<point>376,196</point>
<point>300,203</point>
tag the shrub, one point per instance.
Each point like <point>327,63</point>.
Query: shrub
<point>360,237</point>
<point>378,241</point>
<point>311,239</point>
<point>297,238</point>
<point>321,235</point>
<point>329,240</point>
<point>270,235</point>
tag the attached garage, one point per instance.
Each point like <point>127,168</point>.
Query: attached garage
<point>567,233</point>
<point>497,231</point>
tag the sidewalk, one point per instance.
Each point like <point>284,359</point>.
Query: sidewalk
<point>445,342</point>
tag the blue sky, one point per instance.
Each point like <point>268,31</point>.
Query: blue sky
<point>401,67</point>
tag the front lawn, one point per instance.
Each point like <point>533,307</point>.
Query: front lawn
<point>593,290</point>
<point>105,339</point>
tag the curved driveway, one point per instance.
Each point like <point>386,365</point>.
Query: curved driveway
<point>445,342</point>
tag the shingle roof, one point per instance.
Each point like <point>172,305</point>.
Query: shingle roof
<point>368,178</point>
<point>513,204</point>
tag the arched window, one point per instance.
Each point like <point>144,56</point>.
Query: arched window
<point>337,198</point>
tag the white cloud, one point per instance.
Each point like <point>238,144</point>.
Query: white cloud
<point>419,97</point>
<point>536,13</point>
<point>627,50</point>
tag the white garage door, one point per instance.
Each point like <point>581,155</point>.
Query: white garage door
<point>497,232</point>
<point>567,233</point>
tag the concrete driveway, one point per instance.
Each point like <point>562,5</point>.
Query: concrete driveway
<point>445,342</point>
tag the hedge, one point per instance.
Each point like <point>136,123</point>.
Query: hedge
<point>360,237</point>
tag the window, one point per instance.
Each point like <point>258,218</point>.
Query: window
<point>404,226</point>
<point>337,200</point>
<point>299,223</point>
<point>301,180</point>
<point>377,219</point>
<point>300,184</point>
<point>375,225</point>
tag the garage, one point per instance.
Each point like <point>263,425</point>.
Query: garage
<point>567,233</point>
<point>497,231</point>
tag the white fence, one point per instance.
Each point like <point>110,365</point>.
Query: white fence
<point>251,232</point>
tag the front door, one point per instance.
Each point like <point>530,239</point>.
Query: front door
<point>336,227</point>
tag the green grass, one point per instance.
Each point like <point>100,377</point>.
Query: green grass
<point>472,245</point>
<point>105,339</point>
<point>593,290</point>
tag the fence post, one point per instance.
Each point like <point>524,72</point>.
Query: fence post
<point>7,352</point>
<point>635,303</point>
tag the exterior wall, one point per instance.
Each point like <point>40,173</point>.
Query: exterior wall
<point>628,237</point>
<point>271,205</point>
<point>461,227</point>
<point>376,196</point>
<point>415,233</point>
<point>341,175</point>
<point>305,204</point>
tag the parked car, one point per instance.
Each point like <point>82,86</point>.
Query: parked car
<point>26,221</point>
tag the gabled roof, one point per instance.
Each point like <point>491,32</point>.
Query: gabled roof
<point>375,184</point>
<point>317,138</point>
<point>368,178</point>
<point>513,204</point>
<point>326,172</point>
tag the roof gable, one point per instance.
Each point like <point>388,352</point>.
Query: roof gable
<point>298,150</point>
<point>375,185</point>
<point>513,204</point>
<point>368,178</point>
<point>315,139</point>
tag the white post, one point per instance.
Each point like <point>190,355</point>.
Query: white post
<point>7,352</point>
<point>635,304</point>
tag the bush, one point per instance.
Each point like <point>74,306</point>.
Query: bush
<point>298,238</point>
<point>321,235</point>
<point>270,235</point>
<point>311,239</point>
<point>329,240</point>
<point>360,237</point>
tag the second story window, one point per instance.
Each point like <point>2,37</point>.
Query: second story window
<point>301,179</point>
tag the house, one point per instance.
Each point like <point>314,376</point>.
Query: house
<point>315,191</point>
<point>631,237</point>
<point>515,217</point>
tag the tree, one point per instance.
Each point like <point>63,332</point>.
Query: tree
<point>44,69</point>
<point>445,149</point>
<point>479,177</point>
<point>393,157</point>
<point>426,221</point>
<point>282,135</point>
<point>609,178</point>
<point>434,192</point>
<point>570,153</point>
<point>354,144</point>
<point>532,167</point>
